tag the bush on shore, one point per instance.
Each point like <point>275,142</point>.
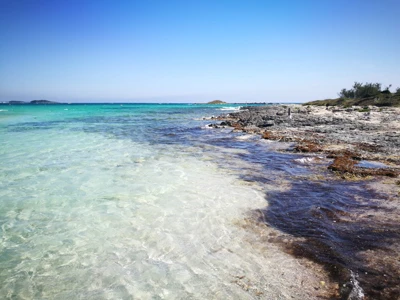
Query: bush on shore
<point>363,94</point>
<point>361,90</point>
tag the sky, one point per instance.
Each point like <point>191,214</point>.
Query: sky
<point>195,51</point>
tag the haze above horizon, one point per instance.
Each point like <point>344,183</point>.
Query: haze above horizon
<point>195,51</point>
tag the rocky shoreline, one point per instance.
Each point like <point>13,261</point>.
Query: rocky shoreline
<point>348,135</point>
<point>352,230</point>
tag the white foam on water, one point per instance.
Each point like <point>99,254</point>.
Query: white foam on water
<point>305,160</point>
<point>207,126</point>
<point>246,137</point>
<point>357,292</point>
<point>230,108</point>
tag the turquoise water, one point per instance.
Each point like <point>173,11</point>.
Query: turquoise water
<point>128,201</point>
<point>145,201</point>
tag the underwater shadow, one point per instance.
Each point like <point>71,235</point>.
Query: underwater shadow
<point>343,227</point>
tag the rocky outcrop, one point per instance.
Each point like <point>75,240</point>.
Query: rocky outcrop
<point>372,132</point>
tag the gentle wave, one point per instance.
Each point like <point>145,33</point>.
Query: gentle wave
<point>231,108</point>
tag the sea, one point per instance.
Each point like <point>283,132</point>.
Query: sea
<point>145,201</point>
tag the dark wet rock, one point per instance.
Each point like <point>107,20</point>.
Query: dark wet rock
<point>268,123</point>
<point>213,125</point>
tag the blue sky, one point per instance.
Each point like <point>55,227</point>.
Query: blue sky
<point>195,51</point>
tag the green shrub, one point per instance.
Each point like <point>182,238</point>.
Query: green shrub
<point>361,90</point>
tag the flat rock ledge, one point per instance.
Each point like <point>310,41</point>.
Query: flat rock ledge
<point>345,134</point>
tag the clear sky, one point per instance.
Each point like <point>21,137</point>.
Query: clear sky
<point>195,51</point>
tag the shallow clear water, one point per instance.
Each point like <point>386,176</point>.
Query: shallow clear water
<point>119,201</point>
<point>141,201</point>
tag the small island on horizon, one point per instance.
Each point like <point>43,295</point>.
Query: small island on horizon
<point>217,102</point>
<point>32,102</point>
<point>361,94</point>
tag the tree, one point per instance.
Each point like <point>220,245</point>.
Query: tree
<point>387,89</point>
